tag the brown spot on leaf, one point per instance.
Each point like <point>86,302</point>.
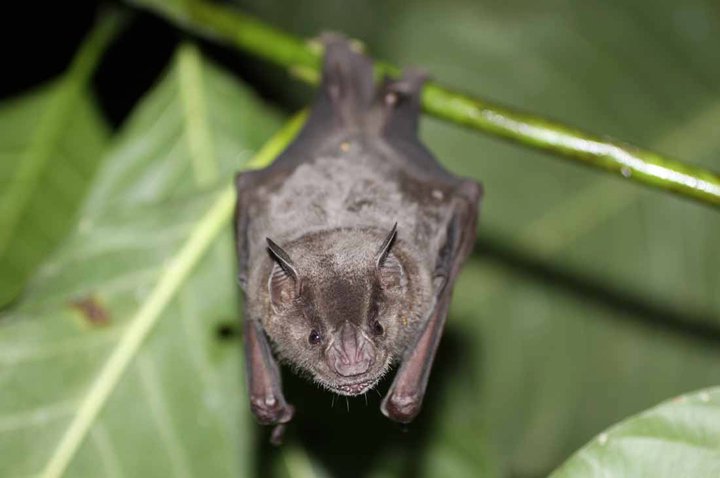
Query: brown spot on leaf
<point>91,310</point>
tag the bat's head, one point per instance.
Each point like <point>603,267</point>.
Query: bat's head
<point>342,306</point>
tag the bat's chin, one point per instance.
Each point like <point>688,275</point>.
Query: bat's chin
<point>353,385</point>
<point>354,388</point>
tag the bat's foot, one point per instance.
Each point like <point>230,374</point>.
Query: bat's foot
<point>401,408</point>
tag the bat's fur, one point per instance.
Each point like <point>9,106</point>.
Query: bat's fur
<point>339,284</point>
<point>329,202</point>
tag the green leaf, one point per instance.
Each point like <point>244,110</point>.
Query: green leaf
<point>113,358</point>
<point>680,437</point>
<point>51,142</point>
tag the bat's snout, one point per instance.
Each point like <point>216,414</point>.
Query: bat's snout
<point>352,353</point>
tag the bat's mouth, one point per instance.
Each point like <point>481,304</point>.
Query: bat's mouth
<point>355,385</point>
<point>356,388</point>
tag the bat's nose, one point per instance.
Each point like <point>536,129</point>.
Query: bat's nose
<point>352,368</point>
<point>352,354</point>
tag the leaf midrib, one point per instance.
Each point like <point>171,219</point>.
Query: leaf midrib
<point>196,125</point>
<point>177,271</point>
<point>143,321</point>
<point>174,275</point>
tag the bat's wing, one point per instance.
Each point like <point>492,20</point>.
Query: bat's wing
<point>245,185</point>
<point>404,399</point>
<point>400,116</point>
<point>263,375</point>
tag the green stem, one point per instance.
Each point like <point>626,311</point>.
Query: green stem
<point>283,49</point>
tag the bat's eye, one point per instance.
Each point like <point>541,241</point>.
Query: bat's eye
<point>377,329</point>
<point>314,337</point>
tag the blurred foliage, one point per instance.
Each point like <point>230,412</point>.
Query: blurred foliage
<point>589,299</point>
<point>177,411</point>
<point>41,208</point>
<point>50,140</point>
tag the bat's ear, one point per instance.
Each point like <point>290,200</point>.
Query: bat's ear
<point>388,267</point>
<point>284,282</point>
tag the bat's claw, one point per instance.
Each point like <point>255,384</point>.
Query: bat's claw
<point>278,434</point>
<point>401,408</point>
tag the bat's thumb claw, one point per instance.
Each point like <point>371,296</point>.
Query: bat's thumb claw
<point>401,408</point>
<point>271,411</point>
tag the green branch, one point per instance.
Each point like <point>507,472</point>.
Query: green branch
<point>264,41</point>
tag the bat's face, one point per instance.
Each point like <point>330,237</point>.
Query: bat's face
<point>339,303</point>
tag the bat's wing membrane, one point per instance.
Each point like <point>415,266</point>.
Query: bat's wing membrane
<point>263,375</point>
<point>404,399</point>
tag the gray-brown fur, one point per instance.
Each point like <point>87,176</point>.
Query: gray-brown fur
<point>327,204</point>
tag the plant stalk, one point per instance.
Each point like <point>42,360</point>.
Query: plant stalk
<point>646,167</point>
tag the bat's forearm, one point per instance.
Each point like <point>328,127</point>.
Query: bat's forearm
<point>263,376</point>
<point>404,399</point>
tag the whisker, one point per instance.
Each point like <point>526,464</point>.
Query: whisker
<point>347,404</point>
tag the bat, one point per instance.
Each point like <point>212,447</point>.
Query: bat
<point>349,245</point>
